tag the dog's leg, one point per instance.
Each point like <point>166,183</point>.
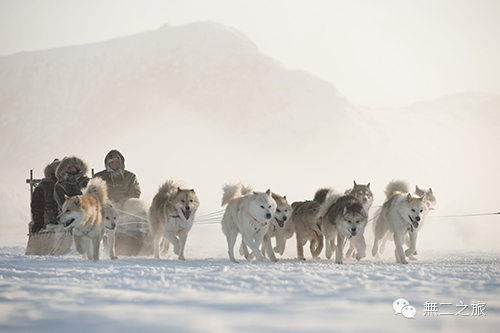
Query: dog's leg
<point>400,254</point>
<point>280,243</point>
<point>340,248</point>
<point>410,252</point>
<point>231,240</point>
<point>157,242</point>
<point>350,251</point>
<point>182,239</point>
<point>300,247</point>
<point>87,242</point>
<point>96,242</point>
<point>244,250</point>
<point>173,239</point>
<point>328,247</point>
<point>360,244</point>
<point>269,247</point>
<point>254,246</point>
<point>79,244</point>
<point>111,244</point>
<point>319,247</point>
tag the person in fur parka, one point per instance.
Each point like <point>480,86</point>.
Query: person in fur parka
<point>122,184</point>
<point>44,209</point>
<point>71,178</point>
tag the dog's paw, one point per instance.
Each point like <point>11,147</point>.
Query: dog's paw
<point>114,257</point>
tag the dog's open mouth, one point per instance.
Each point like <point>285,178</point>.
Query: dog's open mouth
<point>413,222</point>
<point>187,214</point>
<point>353,233</point>
<point>68,223</point>
<point>281,223</point>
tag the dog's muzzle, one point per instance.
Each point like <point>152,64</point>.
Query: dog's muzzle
<point>65,224</point>
<point>415,222</point>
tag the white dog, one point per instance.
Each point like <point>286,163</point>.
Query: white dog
<point>247,213</point>
<point>401,213</point>
<point>110,216</point>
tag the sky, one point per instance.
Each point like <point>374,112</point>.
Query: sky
<point>380,53</point>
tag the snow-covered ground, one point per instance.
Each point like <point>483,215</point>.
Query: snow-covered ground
<point>207,293</point>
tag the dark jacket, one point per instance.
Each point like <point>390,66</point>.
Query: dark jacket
<point>122,184</point>
<point>68,184</point>
<point>44,209</point>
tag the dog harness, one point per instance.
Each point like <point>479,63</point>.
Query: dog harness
<point>262,224</point>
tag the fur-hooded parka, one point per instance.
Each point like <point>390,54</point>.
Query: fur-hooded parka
<point>122,184</point>
<point>70,184</point>
<point>44,209</point>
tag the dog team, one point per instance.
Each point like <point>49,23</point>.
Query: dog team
<point>330,220</point>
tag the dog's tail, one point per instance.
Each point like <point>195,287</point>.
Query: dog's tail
<point>231,192</point>
<point>325,206</point>
<point>396,187</point>
<point>98,187</point>
<point>166,191</point>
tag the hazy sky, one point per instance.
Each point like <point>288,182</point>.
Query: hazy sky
<point>377,53</point>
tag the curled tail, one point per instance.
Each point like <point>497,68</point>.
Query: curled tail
<point>231,192</point>
<point>396,187</point>
<point>329,202</point>
<point>98,187</point>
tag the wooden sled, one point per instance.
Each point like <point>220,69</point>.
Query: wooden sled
<point>49,242</point>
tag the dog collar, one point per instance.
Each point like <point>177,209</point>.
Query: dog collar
<point>262,224</point>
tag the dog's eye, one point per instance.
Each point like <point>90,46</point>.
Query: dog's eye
<point>421,210</point>
<point>107,217</point>
<point>261,206</point>
<point>278,211</point>
<point>67,210</point>
<point>191,200</point>
<point>269,206</point>
<point>413,210</point>
<point>183,200</point>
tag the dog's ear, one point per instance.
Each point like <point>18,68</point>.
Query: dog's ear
<point>368,185</point>
<point>409,198</point>
<point>423,198</point>
<point>417,188</point>
<point>66,197</point>
<point>268,191</point>
<point>430,190</point>
<point>354,183</point>
<point>284,197</point>
<point>78,201</point>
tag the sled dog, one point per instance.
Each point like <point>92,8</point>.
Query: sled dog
<point>401,213</point>
<point>110,216</point>
<point>343,217</point>
<point>83,214</point>
<point>248,213</point>
<point>364,194</point>
<point>171,217</point>
<point>277,227</point>
<point>307,228</point>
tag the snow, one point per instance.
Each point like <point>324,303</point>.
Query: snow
<point>207,293</point>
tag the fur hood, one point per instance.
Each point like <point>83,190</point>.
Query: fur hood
<point>114,153</point>
<point>81,167</point>
<point>50,170</point>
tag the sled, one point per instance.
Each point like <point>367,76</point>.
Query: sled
<point>49,242</point>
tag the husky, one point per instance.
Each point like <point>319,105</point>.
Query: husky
<point>364,194</point>
<point>277,227</point>
<point>110,216</point>
<point>429,197</point>
<point>171,217</point>
<point>248,213</point>
<point>402,213</point>
<point>307,228</point>
<point>83,213</point>
<point>343,217</point>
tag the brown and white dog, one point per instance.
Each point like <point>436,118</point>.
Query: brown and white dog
<point>171,217</point>
<point>83,214</point>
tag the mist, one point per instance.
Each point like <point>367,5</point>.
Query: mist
<point>201,103</point>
